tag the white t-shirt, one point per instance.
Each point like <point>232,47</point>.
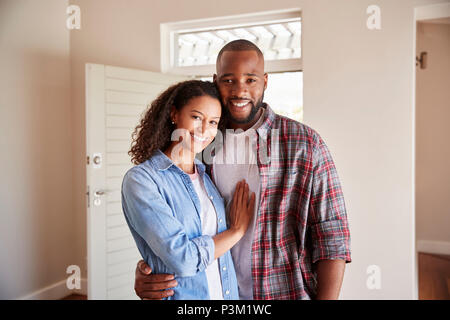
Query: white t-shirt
<point>208,218</point>
<point>240,162</point>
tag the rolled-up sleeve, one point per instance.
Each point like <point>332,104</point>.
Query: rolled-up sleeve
<point>327,221</point>
<point>151,217</point>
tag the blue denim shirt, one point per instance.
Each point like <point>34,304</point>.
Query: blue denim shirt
<point>162,210</point>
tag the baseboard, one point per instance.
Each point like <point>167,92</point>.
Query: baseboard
<point>56,291</point>
<point>436,247</point>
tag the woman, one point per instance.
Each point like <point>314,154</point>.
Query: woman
<point>174,211</point>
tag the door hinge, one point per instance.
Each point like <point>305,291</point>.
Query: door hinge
<point>88,197</point>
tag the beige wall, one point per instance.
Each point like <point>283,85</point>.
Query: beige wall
<point>433,133</point>
<point>358,94</point>
<point>36,215</point>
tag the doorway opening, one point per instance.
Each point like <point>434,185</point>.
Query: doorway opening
<point>432,151</point>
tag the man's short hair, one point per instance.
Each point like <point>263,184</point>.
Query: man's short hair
<point>240,45</point>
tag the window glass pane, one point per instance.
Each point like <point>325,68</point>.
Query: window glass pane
<point>277,41</point>
<point>284,94</point>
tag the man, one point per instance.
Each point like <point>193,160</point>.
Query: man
<point>299,241</point>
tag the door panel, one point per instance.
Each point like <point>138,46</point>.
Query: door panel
<point>115,101</point>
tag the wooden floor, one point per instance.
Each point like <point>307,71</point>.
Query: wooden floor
<point>434,278</point>
<point>75,297</point>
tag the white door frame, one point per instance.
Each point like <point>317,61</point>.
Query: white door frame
<point>96,285</point>
<point>434,11</point>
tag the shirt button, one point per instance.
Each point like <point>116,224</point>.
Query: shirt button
<point>220,220</point>
<point>211,197</point>
<point>227,292</point>
<point>224,268</point>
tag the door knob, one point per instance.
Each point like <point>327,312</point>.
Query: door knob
<point>99,193</point>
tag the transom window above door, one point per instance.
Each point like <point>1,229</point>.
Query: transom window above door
<point>277,41</point>
<point>191,47</point>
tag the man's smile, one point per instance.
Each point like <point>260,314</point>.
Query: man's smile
<point>239,105</point>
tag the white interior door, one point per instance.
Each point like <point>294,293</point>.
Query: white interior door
<point>115,100</point>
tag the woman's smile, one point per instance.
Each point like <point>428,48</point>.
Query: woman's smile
<point>199,138</point>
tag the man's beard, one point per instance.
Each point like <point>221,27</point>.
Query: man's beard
<point>251,116</point>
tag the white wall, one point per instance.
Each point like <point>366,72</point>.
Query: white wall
<point>36,215</point>
<point>432,138</point>
<point>358,90</point>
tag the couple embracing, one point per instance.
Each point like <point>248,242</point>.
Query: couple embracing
<point>227,229</point>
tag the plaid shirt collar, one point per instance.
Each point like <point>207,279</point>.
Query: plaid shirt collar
<point>269,118</point>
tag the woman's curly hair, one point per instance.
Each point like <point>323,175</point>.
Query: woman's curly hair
<point>155,129</point>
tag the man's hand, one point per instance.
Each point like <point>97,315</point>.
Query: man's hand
<point>152,286</point>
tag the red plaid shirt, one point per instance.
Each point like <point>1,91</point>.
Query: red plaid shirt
<point>302,216</point>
